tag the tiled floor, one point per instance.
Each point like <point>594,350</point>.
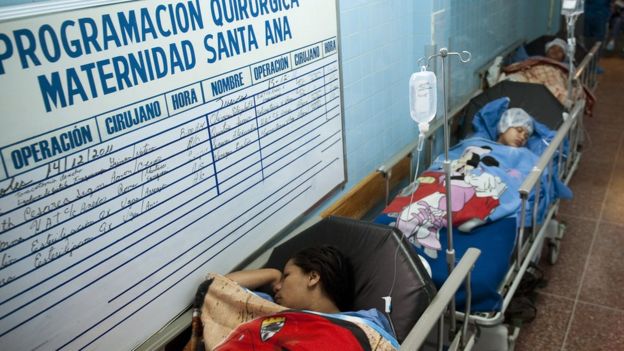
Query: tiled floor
<point>582,308</point>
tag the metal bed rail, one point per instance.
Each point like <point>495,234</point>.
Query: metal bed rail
<point>527,249</point>
<point>434,314</point>
<point>586,71</point>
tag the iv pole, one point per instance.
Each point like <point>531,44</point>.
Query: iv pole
<point>571,21</point>
<point>450,251</point>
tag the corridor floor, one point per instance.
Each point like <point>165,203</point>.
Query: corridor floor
<point>582,308</point>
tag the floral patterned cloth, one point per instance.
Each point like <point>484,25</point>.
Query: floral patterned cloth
<point>552,74</point>
<point>228,307</point>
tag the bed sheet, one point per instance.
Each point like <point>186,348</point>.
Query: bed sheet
<point>485,178</point>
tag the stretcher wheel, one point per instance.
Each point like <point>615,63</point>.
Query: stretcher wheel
<point>553,251</point>
<point>554,244</point>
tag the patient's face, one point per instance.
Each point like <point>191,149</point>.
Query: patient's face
<point>514,136</point>
<point>292,291</point>
<point>556,53</point>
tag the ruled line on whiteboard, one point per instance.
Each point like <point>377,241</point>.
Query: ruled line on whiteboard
<point>137,129</point>
<point>118,252</point>
<point>175,283</point>
<point>216,231</point>
<point>101,218</point>
<point>114,152</point>
<point>105,201</point>
<point>104,187</point>
<point>332,144</point>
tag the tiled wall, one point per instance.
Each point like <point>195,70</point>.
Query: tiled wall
<point>486,27</point>
<point>381,41</point>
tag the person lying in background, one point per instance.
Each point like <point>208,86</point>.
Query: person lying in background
<point>556,49</point>
<point>616,24</point>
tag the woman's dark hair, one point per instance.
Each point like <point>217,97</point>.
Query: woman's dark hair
<point>334,269</point>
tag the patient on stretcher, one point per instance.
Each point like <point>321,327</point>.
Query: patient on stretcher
<point>556,50</point>
<point>485,176</point>
<point>314,293</point>
<point>316,279</point>
<point>515,127</point>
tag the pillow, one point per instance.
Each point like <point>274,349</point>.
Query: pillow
<point>485,124</point>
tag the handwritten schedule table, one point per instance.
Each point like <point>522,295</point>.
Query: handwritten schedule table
<point>91,211</point>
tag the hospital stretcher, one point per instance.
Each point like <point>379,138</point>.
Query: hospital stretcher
<point>385,266</point>
<point>420,316</point>
<point>508,249</point>
<point>507,257</point>
<point>526,242</point>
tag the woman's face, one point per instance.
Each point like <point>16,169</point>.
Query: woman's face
<point>514,136</point>
<point>556,53</point>
<point>293,291</point>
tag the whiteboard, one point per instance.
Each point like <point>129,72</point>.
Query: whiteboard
<point>146,143</point>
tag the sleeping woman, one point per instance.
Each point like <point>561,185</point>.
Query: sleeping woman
<point>316,288</point>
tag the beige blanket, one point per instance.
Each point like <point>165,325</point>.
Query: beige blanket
<point>552,74</point>
<point>228,305</point>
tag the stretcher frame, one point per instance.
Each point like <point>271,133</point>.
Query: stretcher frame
<point>527,248</point>
<point>362,198</point>
<point>530,240</point>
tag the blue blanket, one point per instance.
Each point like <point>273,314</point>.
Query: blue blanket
<point>497,169</point>
<point>485,179</point>
<point>496,241</point>
<point>484,125</point>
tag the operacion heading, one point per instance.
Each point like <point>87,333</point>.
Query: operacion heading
<point>78,38</point>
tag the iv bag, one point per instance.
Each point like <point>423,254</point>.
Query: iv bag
<point>422,97</point>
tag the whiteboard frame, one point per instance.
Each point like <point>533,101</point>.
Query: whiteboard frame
<point>13,12</point>
<point>181,321</point>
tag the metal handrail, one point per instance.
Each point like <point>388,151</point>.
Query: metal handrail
<point>534,175</point>
<point>585,63</point>
<point>417,336</point>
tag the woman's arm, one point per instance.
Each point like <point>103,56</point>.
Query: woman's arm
<point>255,278</point>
